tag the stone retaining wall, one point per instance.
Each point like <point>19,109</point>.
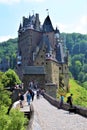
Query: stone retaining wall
<point>56,103</point>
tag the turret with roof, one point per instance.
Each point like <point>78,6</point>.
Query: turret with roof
<point>32,22</point>
<point>47,26</point>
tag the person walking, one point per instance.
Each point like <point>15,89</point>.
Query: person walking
<point>70,100</point>
<point>32,94</point>
<point>61,100</point>
<point>28,95</point>
<point>21,97</point>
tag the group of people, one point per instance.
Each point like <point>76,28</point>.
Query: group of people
<point>30,93</point>
<point>69,100</point>
<point>29,97</point>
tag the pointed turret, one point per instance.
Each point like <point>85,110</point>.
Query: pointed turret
<point>57,33</point>
<point>20,26</point>
<point>37,23</point>
<point>47,26</point>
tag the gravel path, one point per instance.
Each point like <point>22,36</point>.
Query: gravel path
<point>48,117</point>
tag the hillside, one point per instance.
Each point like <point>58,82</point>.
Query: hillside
<point>79,93</point>
<point>8,51</point>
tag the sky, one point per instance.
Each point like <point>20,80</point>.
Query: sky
<point>67,15</point>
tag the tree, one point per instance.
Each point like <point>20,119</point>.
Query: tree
<point>84,84</point>
<point>76,68</point>
<point>85,77</point>
<point>4,96</point>
<point>15,120</point>
<point>10,78</point>
<point>18,120</point>
<point>81,76</point>
<point>84,68</point>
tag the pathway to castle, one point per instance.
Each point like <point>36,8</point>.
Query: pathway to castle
<point>48,117</point>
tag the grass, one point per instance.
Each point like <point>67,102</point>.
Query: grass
<point>79,94</point>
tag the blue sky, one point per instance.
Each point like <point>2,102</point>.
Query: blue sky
<point>68,15</point>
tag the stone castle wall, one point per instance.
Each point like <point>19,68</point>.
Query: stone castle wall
<point>39,79</point>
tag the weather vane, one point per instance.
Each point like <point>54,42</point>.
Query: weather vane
<point>47,11</point>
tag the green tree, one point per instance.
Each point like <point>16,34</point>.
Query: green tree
<point>81,76</point>
<point>84,68</point>
<point>77,66</point>
<point>85,77</point>
<point>18,120</point>
<point>84,84</point>
<point>10,78</point>
<point>15,120</point>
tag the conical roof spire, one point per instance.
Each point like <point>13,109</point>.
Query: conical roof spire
<point>47,25</point>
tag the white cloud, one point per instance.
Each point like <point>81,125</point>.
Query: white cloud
<point>5,38</point>
<point>79,26</point>
<point>9,1</point>
<point>33,0</point>
<point>18,1</point>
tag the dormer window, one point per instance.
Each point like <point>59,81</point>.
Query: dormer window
<point>47,55</point>
<point>19,63</point>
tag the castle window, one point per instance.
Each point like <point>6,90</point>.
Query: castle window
<point>43,50</point>
<point>46,63</point>
<point>37,63</point>
<point>42,63</point>
<point>59,68</point>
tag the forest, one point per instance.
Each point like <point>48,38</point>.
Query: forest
<point>76,44</point>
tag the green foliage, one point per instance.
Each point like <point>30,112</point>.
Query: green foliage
<point>4,96</point>
<point>79,94</point>
<point>10,78</point>
<point>77,46</point>
<point>81,76</point>
<point>84,84</point>
<point>15,120</point>
<point>8,51</point>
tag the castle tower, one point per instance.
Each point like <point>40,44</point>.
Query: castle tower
<point>41,54</point>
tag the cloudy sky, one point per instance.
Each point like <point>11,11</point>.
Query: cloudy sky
<point>68,15</point>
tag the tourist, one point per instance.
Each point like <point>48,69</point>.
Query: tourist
<point>21,97</point>
<point>32,94</point>
<point>70,100</point>
<point>28,95</point>
<point>61,100</point>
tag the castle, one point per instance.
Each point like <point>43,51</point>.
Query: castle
<point>42,56</point>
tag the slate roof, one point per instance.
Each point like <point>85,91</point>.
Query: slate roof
<point>34,70</point>
<point>57,31</point>
<point>46,42</point>
<point>47,26</point>
<point>58,54</point>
